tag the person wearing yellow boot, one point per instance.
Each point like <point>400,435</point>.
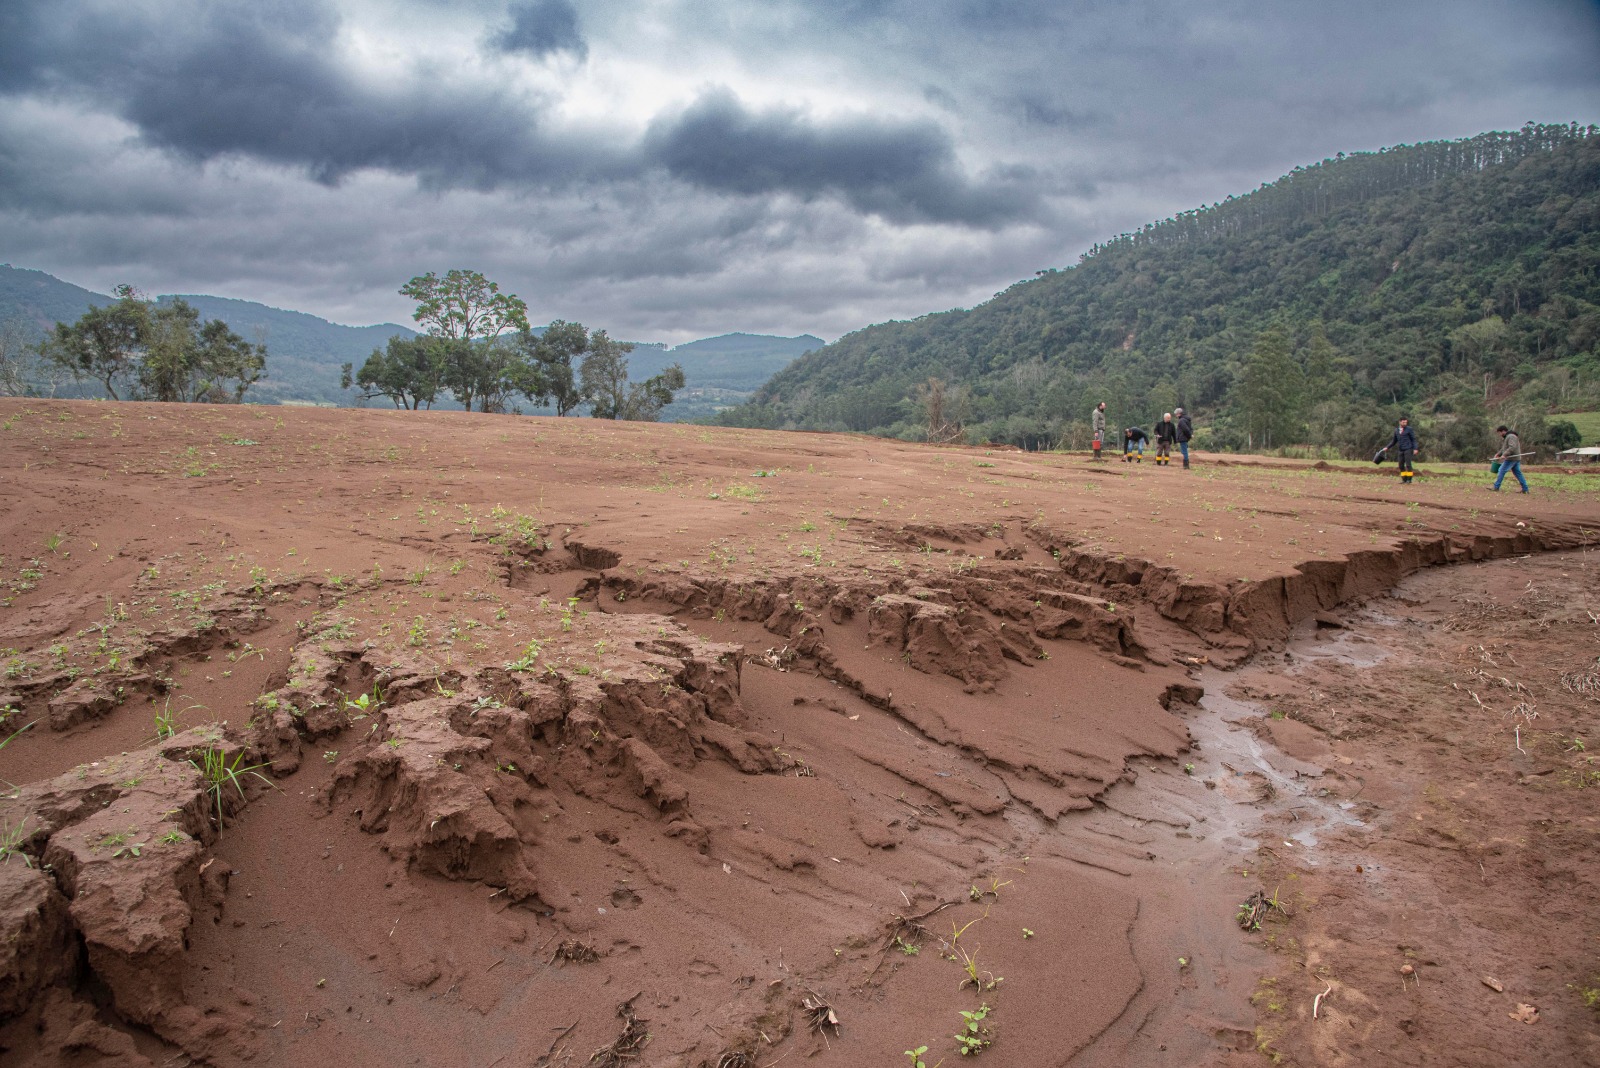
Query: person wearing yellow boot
<point>1133,438</point>
<point>1404,442</point>
<point>1166,437</point>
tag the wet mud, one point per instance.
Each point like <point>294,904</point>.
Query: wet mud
<point>443,740</point>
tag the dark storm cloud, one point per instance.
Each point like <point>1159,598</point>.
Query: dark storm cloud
<point>542,27</point>
<point>903,171</point>
<point>266,82</point>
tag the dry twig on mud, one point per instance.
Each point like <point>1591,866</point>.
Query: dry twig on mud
<point>545,1059</point>
<point>819,1014</point>
<point>910,929</point>
<point>1255,909</point>
<point>575,951</point>
<point>1522,714</point>
<point>1585,683</point>
<point>627,1045</point>
<point>735,1058</point>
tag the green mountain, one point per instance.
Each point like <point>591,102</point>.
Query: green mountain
<point>1456,280</point>
<point>304,353</point>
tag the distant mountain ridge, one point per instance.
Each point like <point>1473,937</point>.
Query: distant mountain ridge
<point>304,352</point>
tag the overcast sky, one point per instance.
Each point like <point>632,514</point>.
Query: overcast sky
<point>674,169</point>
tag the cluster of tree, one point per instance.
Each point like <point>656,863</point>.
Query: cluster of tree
<point>1456,281</point>
<point>479,348</point>
<point>158,351</point>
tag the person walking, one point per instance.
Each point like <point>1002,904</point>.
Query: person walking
<point>1097,423</point>
<point>1166,436</point>
<point>1510,457</point>
<point>1185,432</point>
<point>1133,438</point>
<point>1404,442</point>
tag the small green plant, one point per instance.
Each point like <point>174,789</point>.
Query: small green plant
<point>128,849</point>
<point>910,949</point>
<point>979,978</point>
<point>11,710</point>
<point>217,773</point>
<point>11,839</point>
<point>53,542</point>
<point>1026,933</point>
<point>916,1057</point>
<point>166,725</point>
<point>1188,769</point>
<point>1589,992</point>
<point>172,837</point>
<point>330,755</point>
<point>974,1037</point>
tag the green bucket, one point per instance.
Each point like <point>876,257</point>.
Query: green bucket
<point>1494,467</point>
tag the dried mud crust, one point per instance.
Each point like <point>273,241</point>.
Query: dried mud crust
<point>524,766</point>
<point>1456,919</point>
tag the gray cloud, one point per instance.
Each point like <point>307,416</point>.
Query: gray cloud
<point>902,171</point>
<point>541,27</point>
<point>868,159</point>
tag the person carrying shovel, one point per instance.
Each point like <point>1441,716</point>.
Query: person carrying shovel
<point>1509,458</point>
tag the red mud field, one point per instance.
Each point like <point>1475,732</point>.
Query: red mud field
<point>359,737</point>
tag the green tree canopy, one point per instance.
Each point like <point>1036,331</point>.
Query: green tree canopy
<point>603,380</point>
<point>410,372</point>
<point>158,351</point>
<point>464,305</point>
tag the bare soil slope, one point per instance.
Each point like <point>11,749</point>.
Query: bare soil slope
<point>428,738</point>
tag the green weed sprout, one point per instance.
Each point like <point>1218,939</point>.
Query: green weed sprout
<point>218,772</point>
<point>980,979</point>
<point>974,1037</point>
<point>11,843</point>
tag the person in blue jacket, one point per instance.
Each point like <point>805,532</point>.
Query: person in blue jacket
<point>1404,442</point>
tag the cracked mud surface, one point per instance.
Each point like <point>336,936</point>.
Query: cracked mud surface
<point>545,742</point>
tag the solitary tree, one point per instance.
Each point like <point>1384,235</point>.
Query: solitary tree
<point>464,305</point>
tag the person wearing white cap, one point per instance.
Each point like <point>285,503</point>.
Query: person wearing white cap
<point>1166,436</point>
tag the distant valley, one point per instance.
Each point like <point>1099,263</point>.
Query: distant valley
<point>305,352</point>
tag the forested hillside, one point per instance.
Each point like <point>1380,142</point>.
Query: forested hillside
<point>1458,281</point>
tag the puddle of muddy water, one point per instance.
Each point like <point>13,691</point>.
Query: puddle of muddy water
<point>1246,773</point>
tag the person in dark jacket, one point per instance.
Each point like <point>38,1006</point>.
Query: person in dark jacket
<point>1185,433</point>
<point>1166,437</point>
<point>1133,438</point>
<point>1404,442</point>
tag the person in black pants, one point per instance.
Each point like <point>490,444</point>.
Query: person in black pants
<point>1185,433</point>
<point>1404,442</point>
